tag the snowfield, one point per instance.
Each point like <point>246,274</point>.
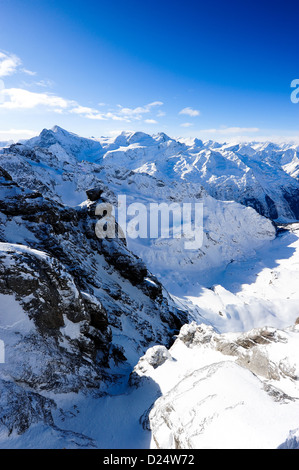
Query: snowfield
<point>262,290</point>
<point>225,391</point>
<point>145,344</point>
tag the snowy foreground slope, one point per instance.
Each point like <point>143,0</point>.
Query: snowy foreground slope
<point>224,391</point>
<point>94,310</point>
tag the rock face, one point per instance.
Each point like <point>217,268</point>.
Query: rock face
<point>70,304</point>
<point>224,391</point>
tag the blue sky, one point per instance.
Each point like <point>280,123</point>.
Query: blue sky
<point>219,70</point>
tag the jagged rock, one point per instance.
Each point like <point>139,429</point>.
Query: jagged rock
<point>63,294</point>
<point>194,335</point>
<point>94,194</point>
<point>20,409</point>
<point>154,357</point>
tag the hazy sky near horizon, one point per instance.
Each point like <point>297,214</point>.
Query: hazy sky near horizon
<point>214,70</point>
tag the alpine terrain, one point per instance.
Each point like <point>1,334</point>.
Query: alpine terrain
<point>138,341</point>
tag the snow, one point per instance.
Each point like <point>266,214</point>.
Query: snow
<point>238,423</point>
<point>226,401</point>
<point>14,323</point>
<point>12,314</point>
<point>16,231</point>
<point>16,248</point>
<point>243,277</point>
<point>70,329</point>
<point>260,291</point>
<point>212,402</point>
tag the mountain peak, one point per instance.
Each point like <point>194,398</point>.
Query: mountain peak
<point>81,148</point>
<point>60,131</point>
<point>162,137</point>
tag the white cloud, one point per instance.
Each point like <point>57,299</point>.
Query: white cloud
<point>18,98</point>
<point>29,72</point>
<point>155,103</point>
<point>151,121</point>
<point>120,114</point>
<point>8,64</point>
<point>44,83</point>
<point>39,83</point>
<point>92,113</point>
<point>137,113</point>
<point>231,130</point>
<point>83,110</point>
<point>13,131</point>
<point>116,117</point>
<point>2,86</point>
<point>186,124</point>
<point>16,134</point>
<point>22,98</point>
<point>190,112</point>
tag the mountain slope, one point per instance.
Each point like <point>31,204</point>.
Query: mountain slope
<point>87,307</point>
<point>232,391</point>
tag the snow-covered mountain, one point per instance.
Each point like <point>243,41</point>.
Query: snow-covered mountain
<point>91,308</point>
<point>246,173</point>
<point>232,391</point>
<point>52,163</point>
<point>263,176</point>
